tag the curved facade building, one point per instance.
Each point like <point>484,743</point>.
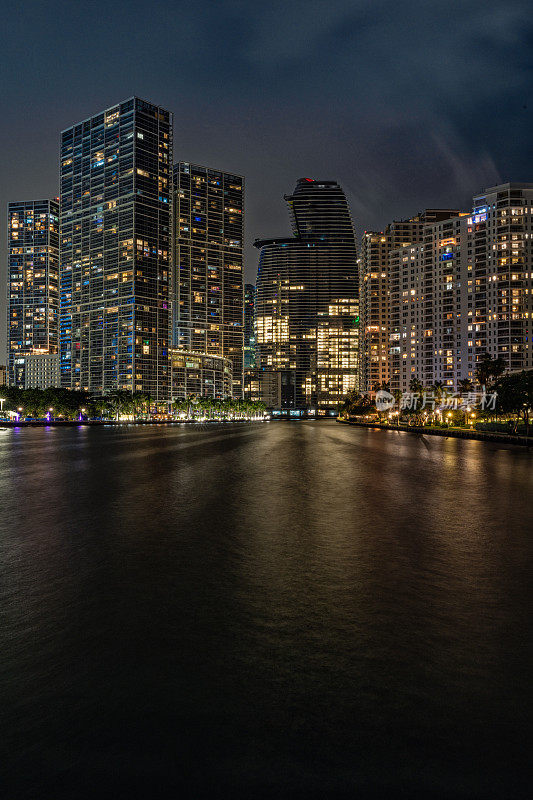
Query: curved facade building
<point>307,320</point>
<point>200,375</point>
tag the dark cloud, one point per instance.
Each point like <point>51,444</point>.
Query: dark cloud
<point>406,104</point>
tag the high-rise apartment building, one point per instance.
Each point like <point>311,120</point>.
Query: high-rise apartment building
<point>374,290</point>
<point>307,311</point>
<point>116,198</point>
<point>208,312</point>
<point>249,325</point>
<point>32,283</point>
<point>500,258</point>
<point>465,292</point>
<point>428,317</point>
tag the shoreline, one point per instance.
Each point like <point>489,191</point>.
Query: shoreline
<point>454,433</point>
<point>70,423</point>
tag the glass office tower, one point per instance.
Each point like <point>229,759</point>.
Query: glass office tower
<point>208,264</point>
<point>32,283</point>
<point>307,321</point>
<point>115,250</point>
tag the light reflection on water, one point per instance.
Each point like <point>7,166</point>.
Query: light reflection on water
<point>269,610</point>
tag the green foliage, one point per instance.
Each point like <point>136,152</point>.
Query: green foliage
<point>37,403</point>
<point>489,370</point>
<point>415,385</point>
<point>213,408</point>
<point>465,385</point>
<point>515,395</point>
<point>357,404</point>
<point>67,404</point>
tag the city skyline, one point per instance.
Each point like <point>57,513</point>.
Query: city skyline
<point>104,199</point>
<point>266,465</point>
<point>338,77</point>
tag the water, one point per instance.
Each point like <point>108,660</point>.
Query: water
<point>263,610</point>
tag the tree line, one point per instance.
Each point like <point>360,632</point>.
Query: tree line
<point>512,393</point>
<point>71,405</point>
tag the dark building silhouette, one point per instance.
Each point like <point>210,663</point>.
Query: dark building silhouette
<point>249,325</point>
<point>307,301</point>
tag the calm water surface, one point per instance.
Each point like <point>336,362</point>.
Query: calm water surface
<point>262,611</point>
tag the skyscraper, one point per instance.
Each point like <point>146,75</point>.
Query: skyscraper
<point>375,288</point>
<point>32,283</point>
<point>249,325</point>
<point>307,313</point>
<point>464,292</point>
<point>428,315</point>
<point>500,250</point>
<point>115,250</point>
<point>208,264</point>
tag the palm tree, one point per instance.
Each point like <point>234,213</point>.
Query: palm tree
<point>489,369</point>
<point>122,402</point>
<point>438,389</point>
<point>465,385</point>
<point>180,406</point>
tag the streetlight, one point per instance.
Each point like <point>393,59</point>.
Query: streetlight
<point>2,400</point>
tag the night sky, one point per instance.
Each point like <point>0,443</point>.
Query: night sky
<point>407,104</point>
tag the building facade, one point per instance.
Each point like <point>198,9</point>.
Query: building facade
<point>3,375</point>
<point>427,318</point>
<point>200,375</point>
<point>116,204</point>
<point>42,371</point>
<point>208,315</point>
<point>374,291</point>
<point>465,292</point>
<point>262,385</point>
<point>249,326</point>
<point>32,283</point>
<point>307,313</point>
<point>500,256</point>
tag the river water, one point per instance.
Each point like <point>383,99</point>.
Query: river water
<point>263,610</point>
